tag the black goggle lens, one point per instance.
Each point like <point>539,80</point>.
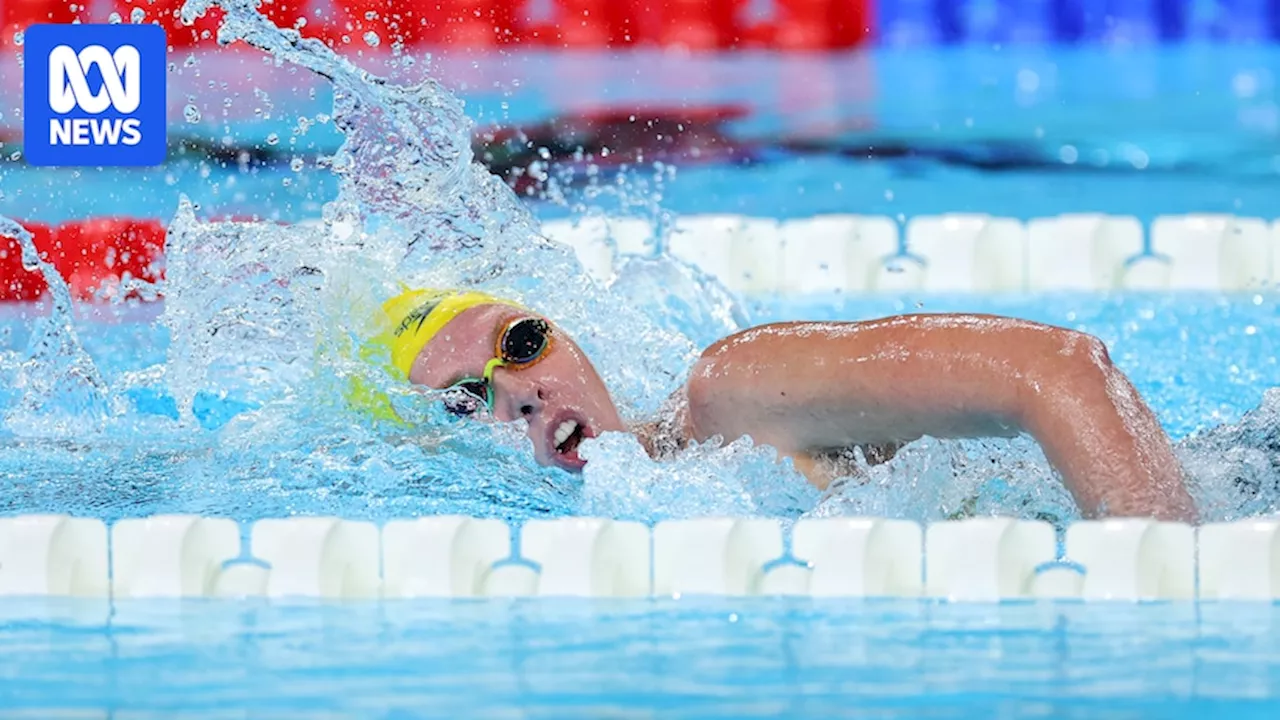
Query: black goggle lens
<point>525,340</point>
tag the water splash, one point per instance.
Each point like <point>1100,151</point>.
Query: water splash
<point>735,480</point>
<point>406,155</point>
<point>240,306</point>
<point>932,480</point>
<point>260,319</point>
<point>1234,469</point>
<point>437,218</point>
<point>56,381</point>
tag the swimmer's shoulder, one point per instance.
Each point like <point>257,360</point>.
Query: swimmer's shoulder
<point>784,331</point>
<point>794,333</point>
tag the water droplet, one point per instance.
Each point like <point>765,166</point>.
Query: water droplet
<point>297,165</point>
<point>191,113</point>
<point>138,15</point>
<point>273,139</point>
<point>114,18</point>
<point>190,61</point>
<point>19,37</point>
<point>371,15</point>
<point>287,182</point>
<point>372,39</point>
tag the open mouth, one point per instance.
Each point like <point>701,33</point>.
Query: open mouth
<point>568,437</point>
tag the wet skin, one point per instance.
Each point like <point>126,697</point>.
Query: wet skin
<point>809,389</point>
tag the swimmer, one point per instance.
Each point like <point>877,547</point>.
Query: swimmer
<point>812,390</point>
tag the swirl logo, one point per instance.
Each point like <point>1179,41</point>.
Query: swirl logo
<point>69,82</point>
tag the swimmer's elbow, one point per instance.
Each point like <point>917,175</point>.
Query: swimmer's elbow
<point>1067,363</point>
<point>1084,350</point>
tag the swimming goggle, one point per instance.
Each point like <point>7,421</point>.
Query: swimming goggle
<point>521,344</point>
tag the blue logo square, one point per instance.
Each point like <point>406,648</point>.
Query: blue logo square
<point>94,95</point>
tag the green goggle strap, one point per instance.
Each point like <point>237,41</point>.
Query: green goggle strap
<point>489,367</point>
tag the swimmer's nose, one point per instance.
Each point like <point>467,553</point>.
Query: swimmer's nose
<point>518,394</point>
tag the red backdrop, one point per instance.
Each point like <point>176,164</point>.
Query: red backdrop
<point>693,24</point>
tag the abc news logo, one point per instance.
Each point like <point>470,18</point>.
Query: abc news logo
<point>69,90</point>
<point>95,95</point>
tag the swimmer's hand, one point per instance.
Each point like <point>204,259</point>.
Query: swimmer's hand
<point>810,388</point>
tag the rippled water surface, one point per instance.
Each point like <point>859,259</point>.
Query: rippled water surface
<point>689,658</point>
<point>1008,130</point>
<point>1202,361</point>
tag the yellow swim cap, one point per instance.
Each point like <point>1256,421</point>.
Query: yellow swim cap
<point>416,316</point>
<point>409,321</point>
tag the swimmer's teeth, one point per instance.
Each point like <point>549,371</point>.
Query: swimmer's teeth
<point>564,431</point>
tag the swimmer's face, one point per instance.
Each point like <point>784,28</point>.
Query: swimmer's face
<point>561,395</point>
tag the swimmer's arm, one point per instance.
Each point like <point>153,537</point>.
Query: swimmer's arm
<point>807,388</point>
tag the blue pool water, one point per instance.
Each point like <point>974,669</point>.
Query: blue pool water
<point>1202,361</point>
<point>1140,130</point>
<point>670,659</point>
<point>212,403</point>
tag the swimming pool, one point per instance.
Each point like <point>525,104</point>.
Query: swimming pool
<point>210,405</point>
<point>630,659</point>
<point>1012,131</point>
